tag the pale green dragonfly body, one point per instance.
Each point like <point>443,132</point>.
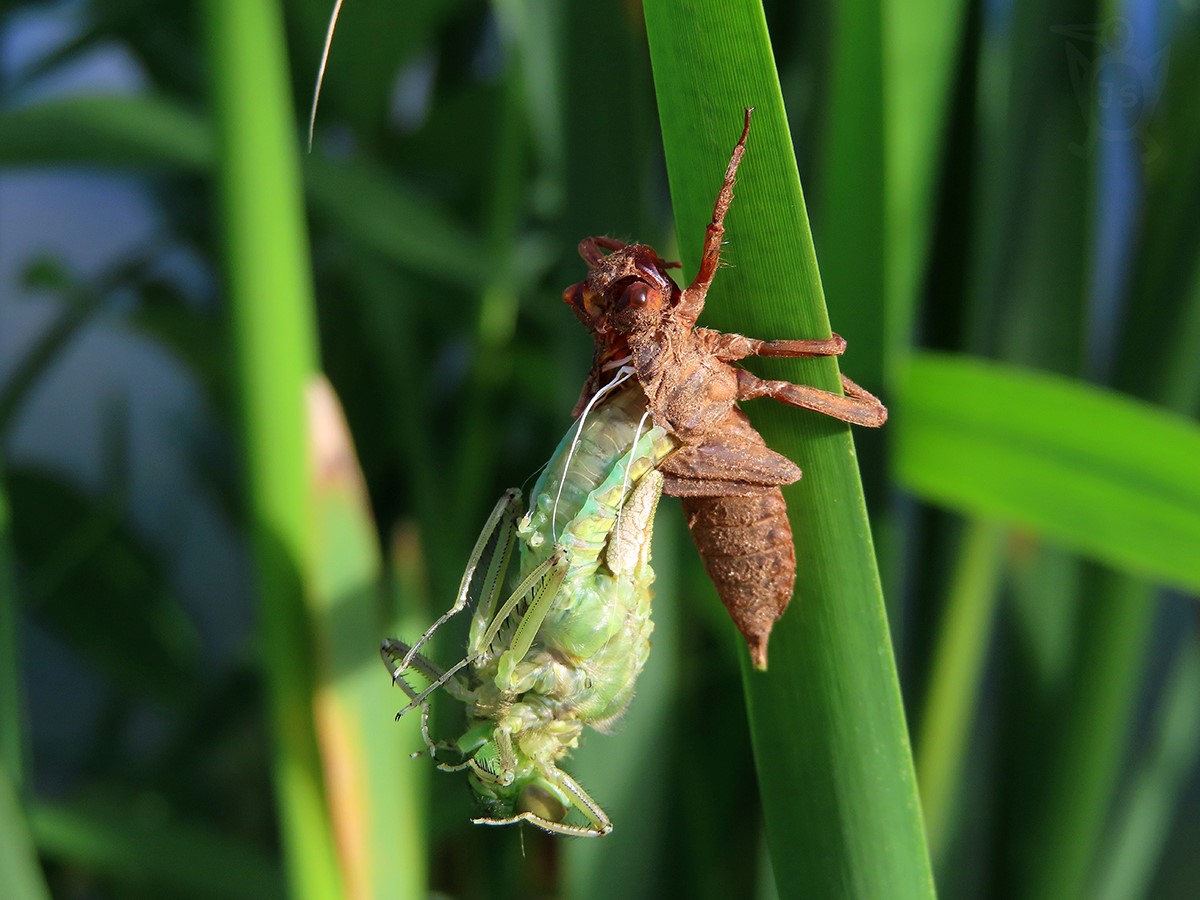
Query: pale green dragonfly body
<point>563,648</point>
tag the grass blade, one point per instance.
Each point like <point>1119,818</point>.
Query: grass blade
<point>955,676</point>
<point>372,788</point>
<point>1059,844</point>
<point>852,190</point>
<point>920,44</point>
<point>20,875</point>
<point>271,299</point>
<point>1158,785</point>
<point>829,733</point>
<point>1105,475</point>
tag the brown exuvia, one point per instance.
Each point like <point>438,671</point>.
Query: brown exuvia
<point>729,480</point>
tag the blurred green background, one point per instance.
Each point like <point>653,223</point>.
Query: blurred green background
<point>1004,200</point>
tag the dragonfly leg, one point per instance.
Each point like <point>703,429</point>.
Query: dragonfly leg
<point>692,301</point>
<point>732,347</point>
<point>395,652</point>
<point>544,579</point>
<point>536,593</point>
<point>468,747</point>
<point>390,651</point>
<point>500,525</point>
<point>430,744</point>
<point>857,406</point>
<point>594,249</point>
<point>599,824</point>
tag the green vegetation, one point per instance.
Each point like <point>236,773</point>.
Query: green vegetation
<point>1015,268</point>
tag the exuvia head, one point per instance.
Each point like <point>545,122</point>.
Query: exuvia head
<point>627,288</point>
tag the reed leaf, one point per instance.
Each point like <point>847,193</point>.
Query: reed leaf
<point>829,734</point>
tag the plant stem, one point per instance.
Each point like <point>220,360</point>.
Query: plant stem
<point>272,316</point>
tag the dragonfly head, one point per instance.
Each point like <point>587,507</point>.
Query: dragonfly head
<point>626,293</point>
<point>503,795</point>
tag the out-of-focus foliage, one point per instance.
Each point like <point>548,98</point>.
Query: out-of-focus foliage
<point>1013,183</point>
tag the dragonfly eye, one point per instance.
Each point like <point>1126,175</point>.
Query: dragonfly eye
<point>587,305</point>
<point>635,296</point>
<point>573,296</point>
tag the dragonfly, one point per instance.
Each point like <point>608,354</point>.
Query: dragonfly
<point>556,644</point>
<point>729,480</point>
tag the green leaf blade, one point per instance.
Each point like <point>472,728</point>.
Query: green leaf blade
<point>270,298</point>
<point>1105,475</point>
<point>829,734</point>
<point>20,876</point>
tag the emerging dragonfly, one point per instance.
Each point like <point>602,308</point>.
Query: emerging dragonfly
<point>563,648</point>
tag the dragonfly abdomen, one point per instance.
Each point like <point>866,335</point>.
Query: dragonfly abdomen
<point>747,547</point>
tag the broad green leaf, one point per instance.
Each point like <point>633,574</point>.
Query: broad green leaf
<point>1105,475</point>
<point>829,734</point>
